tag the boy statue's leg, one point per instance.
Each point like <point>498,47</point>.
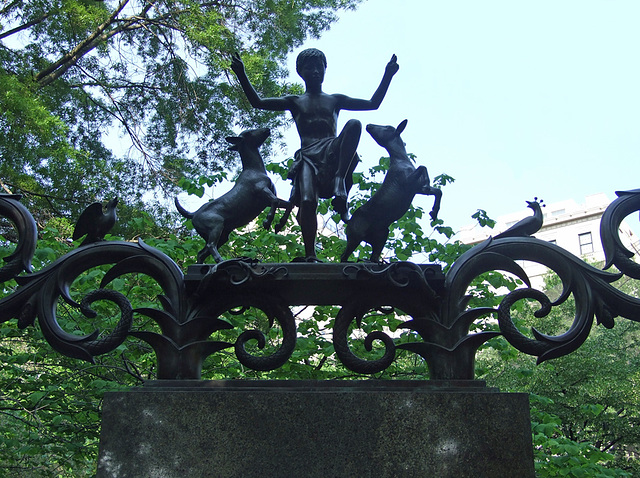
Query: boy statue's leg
<point>347,144</point>
<point>308,210</point>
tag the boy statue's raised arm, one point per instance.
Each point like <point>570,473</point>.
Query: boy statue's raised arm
<point>376,100</point>
<point>390,70</point>
<point>273,104</point>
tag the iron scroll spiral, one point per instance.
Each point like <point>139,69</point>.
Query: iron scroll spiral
<point>356,310</point>
<point>20,259</point>
<point>282,314</point>
<point>510,331</point>
<point>120,332</point>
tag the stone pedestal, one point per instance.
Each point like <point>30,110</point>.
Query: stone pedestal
<point>305,429</point>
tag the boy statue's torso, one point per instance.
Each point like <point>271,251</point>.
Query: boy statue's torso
<point>316,116</point>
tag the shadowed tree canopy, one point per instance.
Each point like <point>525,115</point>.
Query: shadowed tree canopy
<point>118,97</point>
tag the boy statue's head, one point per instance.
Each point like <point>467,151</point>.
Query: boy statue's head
<point>310,54</point>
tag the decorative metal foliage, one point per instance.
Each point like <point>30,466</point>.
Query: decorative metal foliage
<point>20,259</point>
<point>436,305</point>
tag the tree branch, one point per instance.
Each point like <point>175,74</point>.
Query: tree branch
<point>58,68</point>
<point>119,85</point>
<point>102,34</point>
<point>7,8</point>
<point>48,197</point>
<point>611,444</point>
<point>119,116</point>
<point>20,28</point>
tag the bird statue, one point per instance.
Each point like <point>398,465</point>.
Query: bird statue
<point>527,226</point>
<point>94,223</point>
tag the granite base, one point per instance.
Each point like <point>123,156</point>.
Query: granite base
<point>315,429</point>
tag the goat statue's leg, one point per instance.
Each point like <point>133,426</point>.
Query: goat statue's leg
<point>278,203</point>
<point>269,219</point>
<point>285,217</point>
<point>378,240</point>
<point>203,254</point>
<point>351,246</point>
<point>287,211</point>
<point>214,253</point>
<point>269,197</point>
<point>428,190</point>
<point>436,203</point>
<point>214,240</point>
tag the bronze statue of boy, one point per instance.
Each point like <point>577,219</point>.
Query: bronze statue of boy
<point>324,163</point>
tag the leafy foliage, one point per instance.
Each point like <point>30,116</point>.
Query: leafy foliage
<point>121,97</point>
<point>557,455</point>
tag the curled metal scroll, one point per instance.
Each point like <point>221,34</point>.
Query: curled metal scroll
<point>283,315</point>
<point>615,252</point>
<point>39,292</point>
<point>400,277</point>
<point>397,274</point>
<point>106,344</point>
<point>238,272</point>
<point>356,310</point>
<point>20,259</point>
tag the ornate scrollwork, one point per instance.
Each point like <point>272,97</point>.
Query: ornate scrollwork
<point>414,295</point>
<point>190,311</point>
<point>399,274</point>
<point>39,292</point>
<point>590,287</point>
<point>237,272</point>
<point>285,318</point>
<point>20,259</point>
<point>615,252</point>
<point>120,332</point>
<point>587,284</point>
<point>356,310</point>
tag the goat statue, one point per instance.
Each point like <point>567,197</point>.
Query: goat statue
<point>252,192</point>
<point>371,221</point>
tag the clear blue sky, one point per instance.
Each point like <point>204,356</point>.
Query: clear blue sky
<point>513,98</point>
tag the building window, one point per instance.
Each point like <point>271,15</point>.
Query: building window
<point>586,243</point>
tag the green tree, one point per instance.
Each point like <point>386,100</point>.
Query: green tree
<point>75,74</point>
